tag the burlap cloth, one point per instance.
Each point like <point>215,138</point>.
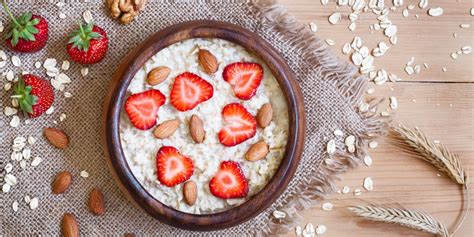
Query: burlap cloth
<point>332,90</point>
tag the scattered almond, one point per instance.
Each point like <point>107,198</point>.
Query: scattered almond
<point>166,129</point>
<point>56,137</point>
<point>69,225</point>
<point>158,75</point>
<point>190,192</point>
<point>61,182</point>
<point>96,202</point>
<point>257,151</point>
<point>196,129</point>
<point>264,116</point>
<point>207,61</point>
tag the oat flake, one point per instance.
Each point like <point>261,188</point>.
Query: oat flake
<point>368,160</point>
<point>84,174</point>
<point>34,203</point>
<point>373,144</point>
<point>327,206</point>
<point>16,61</point>
<point>368,184</point>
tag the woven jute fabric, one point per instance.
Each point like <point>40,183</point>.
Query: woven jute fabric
<point>332,91</point>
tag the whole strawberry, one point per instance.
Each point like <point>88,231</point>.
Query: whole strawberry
<point>88,44</point>
<point>28,33</point>
<point>34,94</point>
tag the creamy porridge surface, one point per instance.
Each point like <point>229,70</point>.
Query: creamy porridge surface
<point>140,147</point>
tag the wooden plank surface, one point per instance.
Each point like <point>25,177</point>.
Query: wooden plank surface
<point>441,104</point>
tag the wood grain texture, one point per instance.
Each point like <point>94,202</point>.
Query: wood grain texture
<point>399,178</point>
<point>117,95</point>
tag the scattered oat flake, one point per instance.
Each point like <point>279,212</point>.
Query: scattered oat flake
<point>423,4</point>
<point>444,69</point>
<point>373,144</point>
<point>6,188</point>
<point>331,147</point>
<point>15,121</point>
<point>335,18</point>
<point>466,49</point>
<point>16,61</point>
<point>454,55</point>
<point>370,90</point>
<point>36,161</point>
<point>350,140</point>
<point>327,206</point>
<point>8,168</point>
<point>465,25</point>
<point>405,13</point>
<point>393,102</point>
<point>87,15</point>
<point>10,75</point>
<point>279,214</point>
<point>409,70</point>
<point>15,206</point>
<point>321,229</point>
<point>330,42</point>
<point>313,27</point>
<point>62,16</point>
<point>338,133</point>
<point>31,140</point>
<point>368,184</point>
<point>34,203</point>
<point>357,192</point>
<point>298,230</point>
<point>62,117</point>
<point>346,189</point>
<point>435,11</point>
<point>472,11</point>
<point>84,174</point>
<point>309,229</point>
<point>10,179</point>
<point>65,65</point>
<point>50,110</point>
<point>368,160</point>
<point>84,71</point>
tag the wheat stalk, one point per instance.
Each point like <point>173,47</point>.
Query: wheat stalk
<point>417,144</point>
<point>439,156</point>
<point>409,218</point>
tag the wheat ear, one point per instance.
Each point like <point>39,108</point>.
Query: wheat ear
<point>409,218</point>
<point>417,144</point>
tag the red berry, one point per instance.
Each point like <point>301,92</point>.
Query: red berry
<point>142,108</point>
<point>244,78</point>
<point>189,90</point>
<point>88,44</point>
<point>239,125</point>
<point>34,95</point>
<point>172,167</point>
<point>229,181</point>
<point>34,34</point>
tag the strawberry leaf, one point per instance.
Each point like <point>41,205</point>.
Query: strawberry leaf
<point>23,27</point>
<point>23,94</point>
<point>81,38</point>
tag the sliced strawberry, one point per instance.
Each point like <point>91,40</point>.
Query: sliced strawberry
<point>172,167</point>
<point>229,181</point>
<point>244,78</point>
<point>189,90</point>
<point>239,126</point>
<point>142,108</point>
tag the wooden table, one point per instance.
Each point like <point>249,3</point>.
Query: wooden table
<point>440,103</point>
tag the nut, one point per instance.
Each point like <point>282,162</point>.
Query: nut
<point>158,75</point>
<point>257,151</point>
<point>190,192</point>
<point>96,202</point>
<point>207,61</point>
<point>61,182</point>
<point>56,137</point>
<point>264,115</point>
<point>125,10</point>
<point>196,129</point>
<point>166,129</point>
<point>69,225</point>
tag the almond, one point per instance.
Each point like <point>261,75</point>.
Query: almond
<point>158,75</point>
<point>166,129</point>
<point>196,129</point>
<point>257,151</point>
<point>190,192</point>
<point>96,202</point>
<point>207,61</point>
<point>56,137</point>
<point>61,182</point>
<point>264,115</point>
<point>69,225</point>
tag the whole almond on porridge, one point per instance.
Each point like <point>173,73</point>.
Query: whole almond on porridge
<point>196,129</point>
<point>166,129</point>
<point>96,202</point>
<point>69,225</point>
<point>207,61</point>
<point>56,137</point>
<point>61,182</point>
<point>190,192</point>
<point>158,75</point>
<point>264,115</point>
<point>257,151</point>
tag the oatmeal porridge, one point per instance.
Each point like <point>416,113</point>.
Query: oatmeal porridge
<point>219,164</point>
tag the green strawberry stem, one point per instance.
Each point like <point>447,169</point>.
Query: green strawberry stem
<point>23,94</point>
<point>83,34</point>
<point>9,13</point>
<point>81,38</point>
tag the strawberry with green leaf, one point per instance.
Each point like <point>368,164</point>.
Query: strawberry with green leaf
<point>28,33</point>
<point>34,94</point>
<point>88,44</point>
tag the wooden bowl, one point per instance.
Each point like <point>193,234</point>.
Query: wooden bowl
<point>116,96</point>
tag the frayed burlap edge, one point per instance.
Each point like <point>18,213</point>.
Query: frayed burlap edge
<point>344,76</point>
